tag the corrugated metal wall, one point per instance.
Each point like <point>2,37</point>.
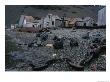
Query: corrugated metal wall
<point>102,17</point>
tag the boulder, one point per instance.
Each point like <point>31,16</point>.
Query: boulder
<point>73,42</point>
<point>86,36</point>
<point>44,36</point>
<point>97,38</point>
<point>58,43</point>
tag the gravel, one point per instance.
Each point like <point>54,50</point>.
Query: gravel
<point>38,56</point>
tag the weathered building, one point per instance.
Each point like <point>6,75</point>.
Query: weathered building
<point>88,21</point>
<point>78,22</point>
<point>13,26</point>
<point>51,21</point>
<point>26,21</point>
<point>74,22</point>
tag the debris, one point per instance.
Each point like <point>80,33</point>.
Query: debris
<point>49,45</point>
<point>54,55</point>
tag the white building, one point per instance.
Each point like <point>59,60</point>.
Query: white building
<point>13,26</point>
<point>26,21</point>
<point>50,20</point>
<point>79,22</point>
<point>88,21</point>
<point>102,17</point>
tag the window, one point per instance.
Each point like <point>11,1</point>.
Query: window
<point>52,22</point>
<point>49,16</point>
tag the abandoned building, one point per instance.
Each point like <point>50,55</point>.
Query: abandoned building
<point>51,21</point>
<point>87,21</point>
<point>26,21</point>
<point>48,21</point>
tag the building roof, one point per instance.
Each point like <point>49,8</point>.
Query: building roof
<point>29,18</point>
<point>87,19</point>
<point>73,20</point>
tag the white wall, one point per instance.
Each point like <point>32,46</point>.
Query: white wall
<point>21,21</point>
<point>28,25</point>
<point>48,21</point>
<point>89,21</point>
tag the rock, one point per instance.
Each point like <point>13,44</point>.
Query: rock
<point>58,43</point>
<point>30,44</point>
<point>73,42</point>
<point>60,64</point>
<point>97,38</point>
<point>101,64</point>
<point>87,59</point>
<point>103,41</point>
<point>39,43</point>
<point>17,55</point>
<point>44,36</point>
<point>38,34</point>
<point>101,69</point>
<point>93,45</point>
<point>86,36</point>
